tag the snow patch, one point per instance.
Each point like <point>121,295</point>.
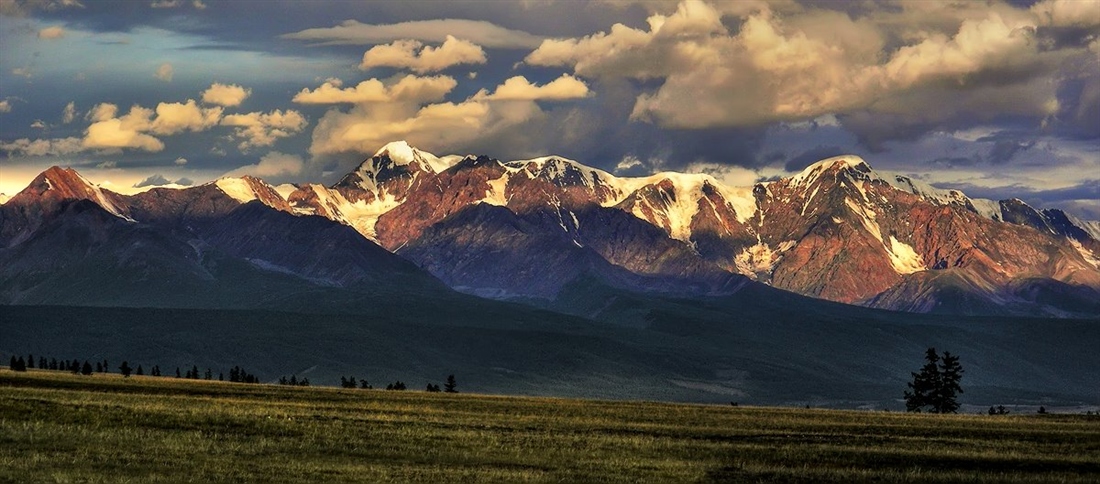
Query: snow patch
<point>398,151</point>
<point>495,195</point>
<point>1089,257</point>
<point>237,189</point>
<point>904,259</point>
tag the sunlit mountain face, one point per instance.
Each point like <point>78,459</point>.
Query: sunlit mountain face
<point>996,99</point>
<point>839,230</point>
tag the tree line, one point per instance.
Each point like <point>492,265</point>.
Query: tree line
<point>236,374</point>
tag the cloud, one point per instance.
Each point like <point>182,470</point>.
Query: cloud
<point>403,54</point>
<point>164,72</point>
<point>102,112</point>
<point>225,94</point>
<point>42,147</point>
<point>50,33</point>
<point>107,165</point>
<point>39,124</point>
<point>1067,13</point>
<point>69,113</point>
<point>271,165</point>
<point>5,106</point>
<point>352,32</point>
<point>518,88</point>
<point>198,4</point>
<point>407,89</point>
<point>872,69</point>
<point>180,161</point>
<point>262,129</point>
<point>174,118</point>
<point>153,181</point>
<point>24,72</point>
<point>125,132</point>
<point>166,4</point>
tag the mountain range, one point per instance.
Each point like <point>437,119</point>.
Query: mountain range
<point>524,230</point>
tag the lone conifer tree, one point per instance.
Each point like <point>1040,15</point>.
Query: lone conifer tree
<point>125,369</point>
<point>936,386</point>
<point>450,386</point>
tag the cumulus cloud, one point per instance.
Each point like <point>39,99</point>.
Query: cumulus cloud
<point>102,112</point>
<point>180,161</point>
<point>812,62</point>
<point>39,124</point>
<point>263,129</point>
<point>164,72</point>
<point>174,118</point>
<point>123,132</point>
<point>5,106</point>
<point>42,147</point>
<point>518,88</point>
<point>225,94</point>
<point>1067,13</point>
<point>271,165</point>
<point>404,54</point>
<point>50,33</point>
<point>407,89</point>
<point>352,32</point>
<point>69,113</point>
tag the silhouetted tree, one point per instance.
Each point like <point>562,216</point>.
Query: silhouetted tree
<point>1042,410</point>
<point>221,377</point>
<point>140,372</point>
<point>13,365</point>
<point>999,410</point>
<point>450,386</point>
<point>178,372</point>
<point>42,363</point>
<point>364,385</point>
<point>945,397</point>
<point>53,363</point>
<point>936,387</point>
<point>125,369</point>
<point>30,361</point>
<point>106,367</point>
<point>397,385</point>
<point>432,388</point>
<point>98,367</point>
<point>86,369</point>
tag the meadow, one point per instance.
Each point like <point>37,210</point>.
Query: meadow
<point>59,427</point>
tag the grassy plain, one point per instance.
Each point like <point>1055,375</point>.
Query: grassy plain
<point>56,427</point>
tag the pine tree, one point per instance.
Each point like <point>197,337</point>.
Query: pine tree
<point>125,369</point>
<point>364,385</point>
<point>86,369</point>
<point>13,364</point>
<point>178,372</point>
<point>30,361</point>
<point>98,367</point>
<point>450,386</point>
<point>945,398</point>
<point>140,372</point>
<point>106,367</point>
<point>42,363</point>
<point>936,387</point>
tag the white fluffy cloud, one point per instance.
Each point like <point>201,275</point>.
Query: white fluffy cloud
<point>262,129</point>
<point>127,131</point>
<point>164,72</point>
<point>5,106</point>
<point>811,62</point>
<point>404,54</point>
<point>271,165</point>
<point>175,118</point>
<point>225,94</point>
<point>407,89</point>
<point>69,113</point>
<point>50,33</point>
<point>518,88</point>
<point>42,147</point>
<point>352,32</point>
<point>1068,13</point>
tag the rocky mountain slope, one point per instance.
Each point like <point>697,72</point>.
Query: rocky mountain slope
<point>838,230</point>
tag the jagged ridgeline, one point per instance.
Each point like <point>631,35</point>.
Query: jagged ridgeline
<point>526,229</point>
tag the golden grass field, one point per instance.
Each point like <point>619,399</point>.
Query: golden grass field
<point>58,427</point>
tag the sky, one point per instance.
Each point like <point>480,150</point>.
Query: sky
<point>998,99</point>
